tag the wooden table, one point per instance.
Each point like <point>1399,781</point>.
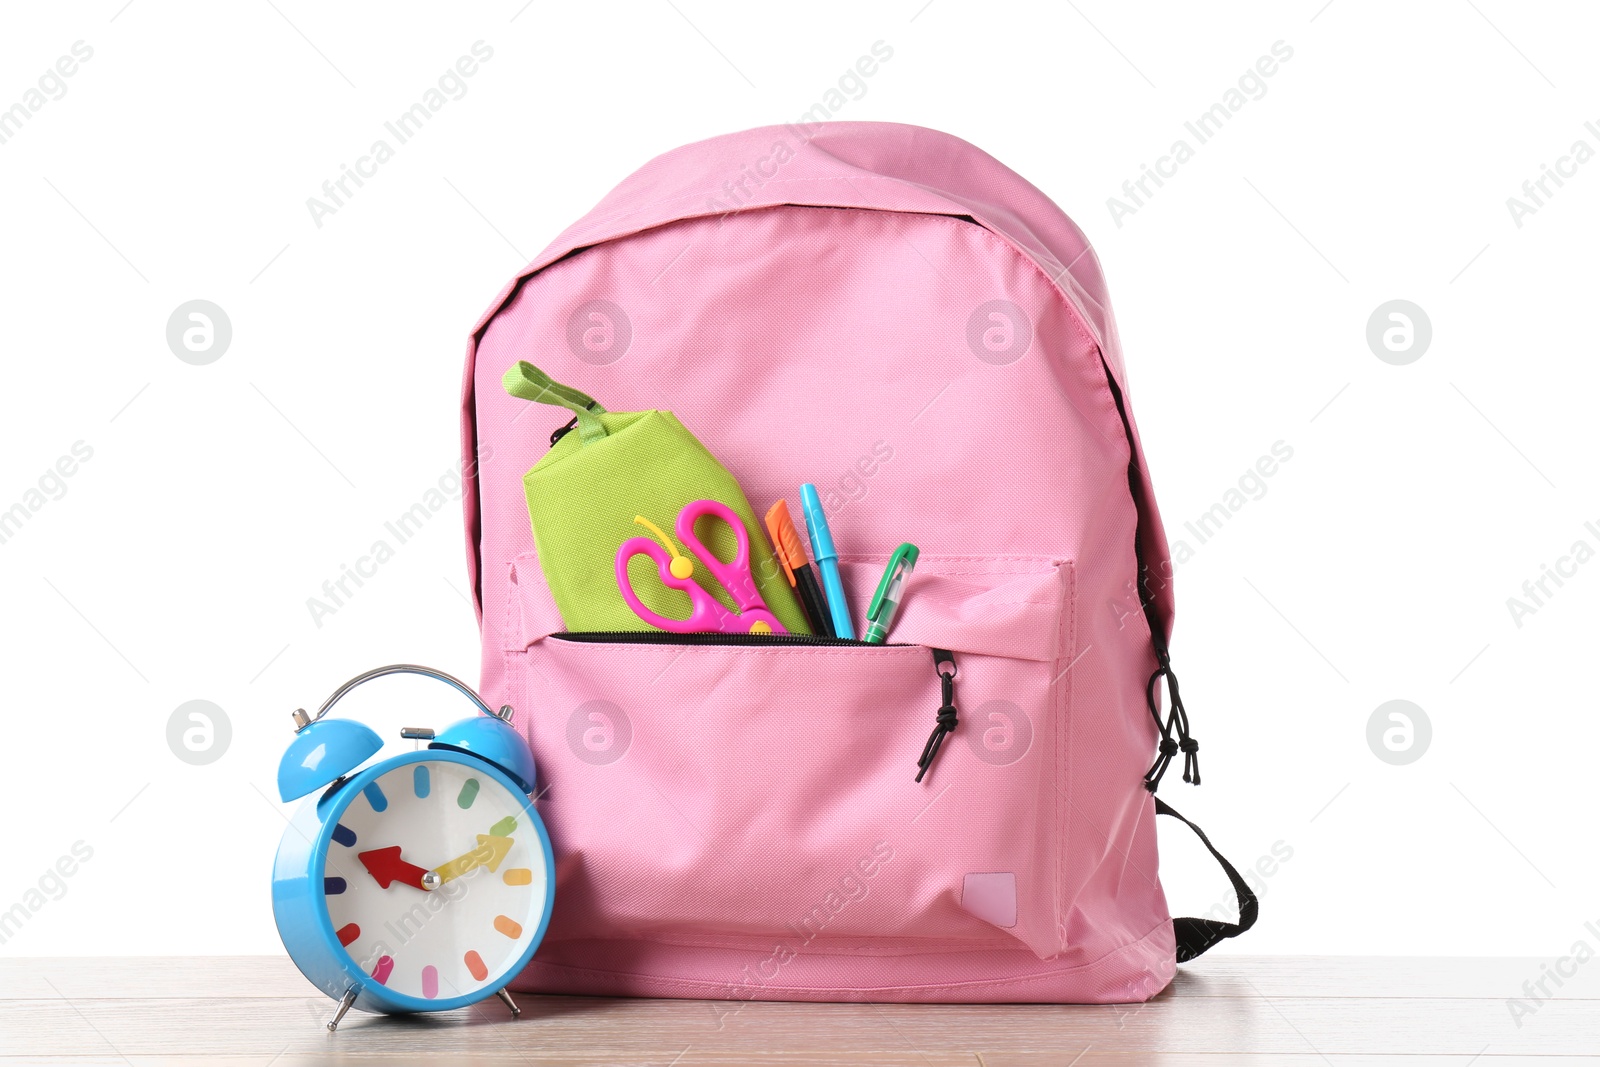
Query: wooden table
<point>1226,1010</point>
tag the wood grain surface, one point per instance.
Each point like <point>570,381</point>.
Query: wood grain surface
<point>1251,1010</point>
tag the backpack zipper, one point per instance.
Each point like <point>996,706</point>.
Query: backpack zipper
<point>662,637</point>
<point>944,665</point>
<point>1174,731</point>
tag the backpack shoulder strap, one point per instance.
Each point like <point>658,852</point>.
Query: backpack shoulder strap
<point>1194,936</point>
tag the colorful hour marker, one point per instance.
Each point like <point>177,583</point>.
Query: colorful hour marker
<point>419,780</point>
<point>384,968</point>
<point>344,835</point>
<point>504,828</point>
<point>508,926</point>
<point>430,981</point>
<point>518,876</point>
<point>475,966</point>
<point>332,887</point>
<point>375,797</point>
<point>469,793</point>
<point>348,933</point>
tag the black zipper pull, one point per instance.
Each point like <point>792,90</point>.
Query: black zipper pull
<point>1177,722</point>
<point>944,663</point>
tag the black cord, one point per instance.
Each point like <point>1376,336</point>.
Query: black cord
<point>1177,722</point>
<point>947,718</point>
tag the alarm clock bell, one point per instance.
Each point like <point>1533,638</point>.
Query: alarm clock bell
<point>326,750</point>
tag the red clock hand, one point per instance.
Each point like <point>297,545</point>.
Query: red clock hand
<point>386,868</point>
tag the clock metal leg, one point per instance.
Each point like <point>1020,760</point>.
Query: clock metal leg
<point>505,998</point>
<point>344,1006</point>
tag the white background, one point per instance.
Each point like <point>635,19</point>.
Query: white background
<point>1377,566</point>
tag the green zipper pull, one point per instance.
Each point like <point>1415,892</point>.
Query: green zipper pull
<point>528,382</point>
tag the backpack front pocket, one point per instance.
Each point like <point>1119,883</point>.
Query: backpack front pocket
<point>738,794</point>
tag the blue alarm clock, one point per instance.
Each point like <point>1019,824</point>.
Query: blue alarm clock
<point>423,882</point>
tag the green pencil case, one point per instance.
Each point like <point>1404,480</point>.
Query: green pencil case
<point>586,492</point>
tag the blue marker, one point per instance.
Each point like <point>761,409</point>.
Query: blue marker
<point>827,558</point>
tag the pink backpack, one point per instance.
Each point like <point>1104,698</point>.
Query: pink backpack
<point>891,314</point>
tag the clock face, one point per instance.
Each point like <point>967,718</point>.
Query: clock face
<point>435,880</point>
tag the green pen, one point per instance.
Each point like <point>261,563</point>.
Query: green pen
<point>886,601</point>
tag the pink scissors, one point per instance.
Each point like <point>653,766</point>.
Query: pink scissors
<point>677,571</point>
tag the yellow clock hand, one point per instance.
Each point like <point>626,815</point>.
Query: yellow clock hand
<point>491,849</point>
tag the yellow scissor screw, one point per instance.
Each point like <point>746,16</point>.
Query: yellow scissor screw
<point>682,566</point>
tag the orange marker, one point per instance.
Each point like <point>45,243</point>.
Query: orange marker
<point>792,555</point>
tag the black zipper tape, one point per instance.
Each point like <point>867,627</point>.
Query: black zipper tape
<point>663,637</point>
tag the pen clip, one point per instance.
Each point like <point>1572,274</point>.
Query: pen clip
<point>900,563</point>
